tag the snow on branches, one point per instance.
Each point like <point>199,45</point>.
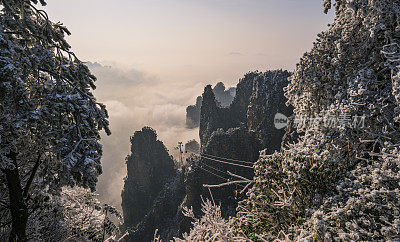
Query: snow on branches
<point>74,214</point>
<point>337,183</point>
<point>49,119</point>
<point>47,106</point>
<point>211,226</point>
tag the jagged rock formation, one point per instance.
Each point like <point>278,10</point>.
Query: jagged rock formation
<point>236,132</point>
<point>259,97</point>
<point>267,99</point>
<point>151,177</point>
<point>339,180</point>
<point>165,213</point>
<point>224,98</point>
<point>234,143</point>
<point>193,114</point>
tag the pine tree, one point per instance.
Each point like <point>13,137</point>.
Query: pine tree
<point>49,118</point>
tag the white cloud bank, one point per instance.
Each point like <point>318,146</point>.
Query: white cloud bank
<point>135,99</point>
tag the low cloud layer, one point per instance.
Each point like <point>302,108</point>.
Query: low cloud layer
<point>135,99</point>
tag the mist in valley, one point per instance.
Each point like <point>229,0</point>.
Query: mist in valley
<point>135,99</point>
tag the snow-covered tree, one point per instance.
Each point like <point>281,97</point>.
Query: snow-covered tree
<point>338,180</point>
<point>75,214</point>
<point>49,118</point>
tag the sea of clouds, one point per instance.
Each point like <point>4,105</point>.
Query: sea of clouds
<point>135,99</point>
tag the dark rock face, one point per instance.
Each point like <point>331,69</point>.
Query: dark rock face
<point>258,98</point>
<point>155,191</point>
<point>193,114</point>
<point>235,143</point>
<point>214,117</point>
<point>149,169</point>
<point>236,134</point>
<point>223,97</point>
<point>268,99</point>
<point>165,213</point>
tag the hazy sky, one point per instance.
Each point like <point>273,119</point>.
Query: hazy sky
<point>192,40</point>
<point>157,56</point>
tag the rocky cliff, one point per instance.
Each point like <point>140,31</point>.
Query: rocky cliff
<point>152,189</point>
<point>259,97</point>
<point>235,143</point>
<point>193,114</point>
<point>223,96</point>
<point>266,100</point>
<point>164,213</point>
<point>232,137</point>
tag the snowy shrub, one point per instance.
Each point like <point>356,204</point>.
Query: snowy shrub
<point>74,214</point>
<point>211,226</point>
<point>337,182</point>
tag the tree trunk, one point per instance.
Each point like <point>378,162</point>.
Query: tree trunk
<point>18,208</point>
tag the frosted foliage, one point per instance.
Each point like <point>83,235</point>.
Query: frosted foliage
<point>327,5</point>
<point>46,102</point>
<point>211,226</point>
<point>365,205</point>
<point>337,183</point>
<point>49,119</point>
<point>74,214</point>
<point>82,213</point>
<point>392,53</point>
